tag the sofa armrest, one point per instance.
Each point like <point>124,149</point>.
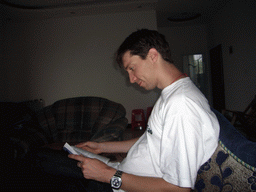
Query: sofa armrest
<point>112,131</point>
<point>111,122</point>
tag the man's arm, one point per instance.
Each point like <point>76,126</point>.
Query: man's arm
<point>108,147</point>
<point>96,170</point>
<point>138,183</point>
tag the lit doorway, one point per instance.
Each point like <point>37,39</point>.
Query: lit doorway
<point>194,66</point>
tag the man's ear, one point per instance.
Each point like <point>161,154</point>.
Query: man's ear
<point>153,54</point>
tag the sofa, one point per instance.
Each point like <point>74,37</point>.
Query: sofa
<point>232,167</point>
<point>27,127</point>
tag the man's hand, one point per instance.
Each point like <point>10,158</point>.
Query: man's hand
<point>93,168</point>
<point>90,146</point>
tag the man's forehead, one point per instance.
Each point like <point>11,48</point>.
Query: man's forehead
<point>127,55</point>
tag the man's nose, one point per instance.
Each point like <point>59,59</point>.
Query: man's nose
<point>132,78</point>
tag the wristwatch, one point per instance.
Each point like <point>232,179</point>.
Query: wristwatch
<point>116,180</point>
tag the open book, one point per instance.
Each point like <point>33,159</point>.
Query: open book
<point>79,151</point>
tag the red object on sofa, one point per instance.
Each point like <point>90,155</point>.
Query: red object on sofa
<point>149,110</point>
<point>138,119</point>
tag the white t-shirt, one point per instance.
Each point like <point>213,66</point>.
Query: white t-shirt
<point>181,135</point>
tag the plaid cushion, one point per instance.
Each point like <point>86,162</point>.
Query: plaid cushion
<point>83,118</point>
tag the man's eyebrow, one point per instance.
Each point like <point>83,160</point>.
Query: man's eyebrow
<point>126,67</point>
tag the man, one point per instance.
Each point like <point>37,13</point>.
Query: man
<point>182,131</point>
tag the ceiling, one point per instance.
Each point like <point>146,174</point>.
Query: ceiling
<point>43,9</point>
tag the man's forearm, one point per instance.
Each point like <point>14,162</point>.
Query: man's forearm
<point>144,184</point>
<point>138,183</point>
<point>117,146</point>
<point>97,170</point>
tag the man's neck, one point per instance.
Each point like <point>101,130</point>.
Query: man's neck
<point>168,74</point>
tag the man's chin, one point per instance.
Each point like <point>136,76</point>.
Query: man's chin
<point>148,88</point>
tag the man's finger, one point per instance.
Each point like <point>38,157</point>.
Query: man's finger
<point>79,164</point>
<point>76,157</point>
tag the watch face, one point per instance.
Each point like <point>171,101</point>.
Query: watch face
<point>116,182</point>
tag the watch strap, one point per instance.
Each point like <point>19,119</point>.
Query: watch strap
<point>118,173</point>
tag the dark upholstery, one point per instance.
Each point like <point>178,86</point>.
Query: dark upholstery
<point>20,130</point>
<point>27,131</point>
<point>83,118</point>
<point>232,166</point>
<point>27,126</point>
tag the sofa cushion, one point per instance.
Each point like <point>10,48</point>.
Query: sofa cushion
<point>111,122</point>
<point>225,172</point>
<point>75,118</point>
<point>235,142</point>
<point>232,166</point>
<point>83,118</point>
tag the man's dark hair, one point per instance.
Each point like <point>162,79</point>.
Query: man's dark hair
<point>140,42</point>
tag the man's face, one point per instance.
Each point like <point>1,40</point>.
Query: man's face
<point>140,71</point>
